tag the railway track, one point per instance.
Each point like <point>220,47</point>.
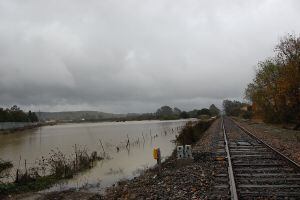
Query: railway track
<point>255,170</point>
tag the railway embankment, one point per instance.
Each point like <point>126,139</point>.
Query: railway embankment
<point>189,179</point>
<point>286,141</point>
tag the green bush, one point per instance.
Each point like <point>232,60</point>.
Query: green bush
<point>192,132</point>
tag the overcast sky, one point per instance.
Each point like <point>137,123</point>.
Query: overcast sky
<point>135,55</point>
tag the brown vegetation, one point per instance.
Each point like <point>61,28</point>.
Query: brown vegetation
<point>275,90</point>
<point>192,131</point>
<point>48,171</point>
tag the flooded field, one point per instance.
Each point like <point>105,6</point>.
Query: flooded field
<point>123,162</point>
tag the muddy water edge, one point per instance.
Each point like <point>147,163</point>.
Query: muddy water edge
<point>125,146</point>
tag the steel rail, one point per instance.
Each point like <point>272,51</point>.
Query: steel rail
<point>233,190</point>
<point>293,163</point>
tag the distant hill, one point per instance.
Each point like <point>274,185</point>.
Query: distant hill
<point>77,116</point>
<point>163,113</point>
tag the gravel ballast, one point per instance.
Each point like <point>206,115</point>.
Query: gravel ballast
<point>192,179</point>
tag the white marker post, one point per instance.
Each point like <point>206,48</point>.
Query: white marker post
<point>184,155</point>
<point>180,153</point>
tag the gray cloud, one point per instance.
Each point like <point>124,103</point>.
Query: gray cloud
<point>133,56</point>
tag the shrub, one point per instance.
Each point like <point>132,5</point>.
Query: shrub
<point>192,131</point>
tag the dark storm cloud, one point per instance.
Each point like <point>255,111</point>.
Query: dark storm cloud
<point>131,56</point>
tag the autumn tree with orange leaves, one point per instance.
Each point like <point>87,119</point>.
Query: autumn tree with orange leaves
<point>275,90</point>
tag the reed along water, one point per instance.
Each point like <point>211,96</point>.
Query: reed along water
<point>123,160</point>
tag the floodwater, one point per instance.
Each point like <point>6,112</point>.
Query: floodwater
<point>31,145</point>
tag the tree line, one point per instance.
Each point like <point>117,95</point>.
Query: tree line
<point>237,109</point>
<point>275,90</point>
<point>274,93</point>
<point>15,114</point>
<point>168,113</point>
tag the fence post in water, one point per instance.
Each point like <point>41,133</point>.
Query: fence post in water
<point>143,136</point>
<point>76,157</point>
<point>128,142</point>
<point>102,146</point>
<point>25,167</point>
<point>17,176</point>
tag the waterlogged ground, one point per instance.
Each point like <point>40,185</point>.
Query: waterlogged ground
<point>31,145</point>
